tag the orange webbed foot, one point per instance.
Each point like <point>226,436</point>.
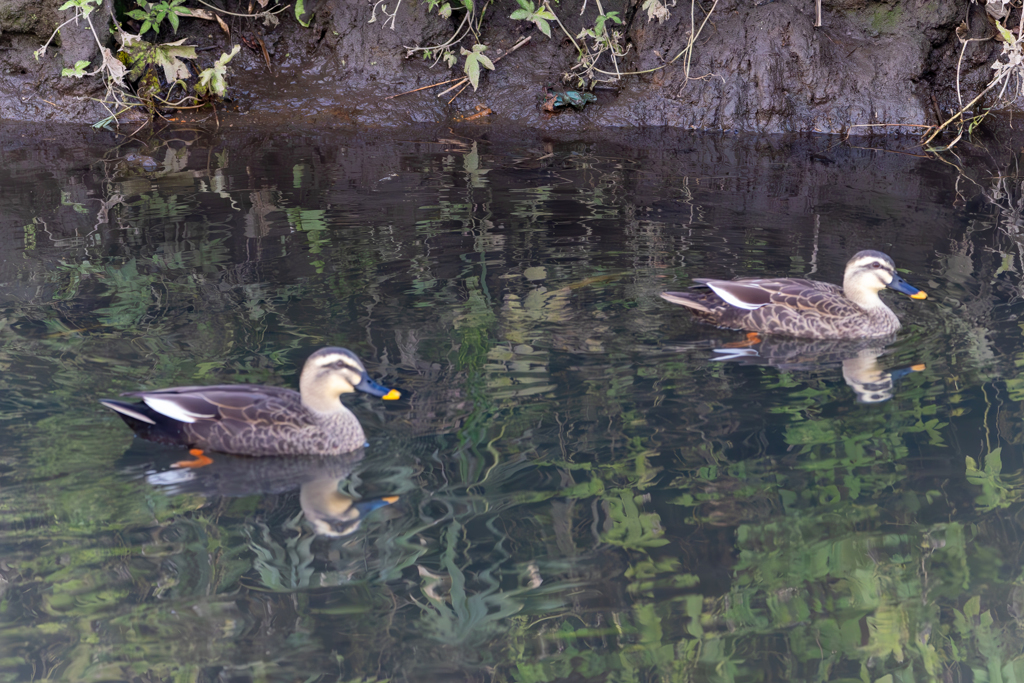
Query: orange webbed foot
<point>201,459</point>
<point>753,339</point>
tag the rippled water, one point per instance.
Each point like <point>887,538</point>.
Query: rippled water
<point>592,486</point>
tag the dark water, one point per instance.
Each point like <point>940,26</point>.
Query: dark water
<point>593,487</point>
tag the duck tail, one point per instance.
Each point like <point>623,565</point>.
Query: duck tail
<point>687,299</point>
<point>130,412</point>
<point>146,422</point>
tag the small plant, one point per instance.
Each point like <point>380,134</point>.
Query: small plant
<point>133,76</point>
<point>474,60</point>
<point>602,41</point>
<point>76,71</point>
<point>152,14</point>
<point>211,81</point>
<point>592,43</point>
<point>540,16</point>
<point>468,29</point>
<point>655,10</point>
<point>1008,75</point>
<point>141,56</point>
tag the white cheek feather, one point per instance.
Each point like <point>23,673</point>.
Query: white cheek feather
<point>731,299</point>
<point>173,410</point>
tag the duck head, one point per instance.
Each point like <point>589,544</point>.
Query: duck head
<point>333,371</point>
<point>868,273</point>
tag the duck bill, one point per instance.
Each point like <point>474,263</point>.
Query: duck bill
<point>344,527</point>
<point>370,387</point>
<point>904,287</point>
<point>365,507</point>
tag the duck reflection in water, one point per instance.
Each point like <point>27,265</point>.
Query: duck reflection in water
<point>859,359</point>
<point>329,511</point>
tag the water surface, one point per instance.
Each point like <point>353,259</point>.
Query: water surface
<point>593,486</point>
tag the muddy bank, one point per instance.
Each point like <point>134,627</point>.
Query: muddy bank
<point>761,67</point>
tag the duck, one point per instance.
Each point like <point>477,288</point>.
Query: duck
<point>258,420</point>
<point>804,308</point>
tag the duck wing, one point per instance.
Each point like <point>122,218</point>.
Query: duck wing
<point>248,419</point>
<point>751,294</point>
<point>243,403</point>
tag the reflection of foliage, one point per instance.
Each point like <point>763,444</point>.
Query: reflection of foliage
<point>997,491</point>
<point>471,617</point>
<point>576,503</point>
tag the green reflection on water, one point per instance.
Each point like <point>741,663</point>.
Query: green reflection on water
<point>584,492</point>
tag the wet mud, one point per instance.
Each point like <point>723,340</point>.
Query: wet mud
<point>766,67</point>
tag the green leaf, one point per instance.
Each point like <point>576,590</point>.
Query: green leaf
<point>300,9</point>
<point>168,56</point>
<point>77,71</point>
<point>994,462</point>
<point>173,17</point>
<point>137,14</point>
<point>212,80</point>
<point>445,10</point>
<point>485,61</point>
<point>539,16</point>
<point>474,60</point>
<point>600,22</point>
<point>84,6</point>
<point>104,123</point>
<point>472,68</point>
<point>1005,34</point>
<point>972,609</point>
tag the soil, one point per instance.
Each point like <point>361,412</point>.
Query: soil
<point>757,65</point>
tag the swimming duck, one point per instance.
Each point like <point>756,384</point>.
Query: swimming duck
<point>804,308</point>
<point>257,420</point>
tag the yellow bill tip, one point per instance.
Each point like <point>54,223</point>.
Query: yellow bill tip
<point>390,499</point>
<point>921,294</point>
<point>918,368</point>
<point>392,395</point>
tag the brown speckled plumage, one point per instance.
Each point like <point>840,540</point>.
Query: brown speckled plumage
<point>256,420</point>
<point>803,308</point>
